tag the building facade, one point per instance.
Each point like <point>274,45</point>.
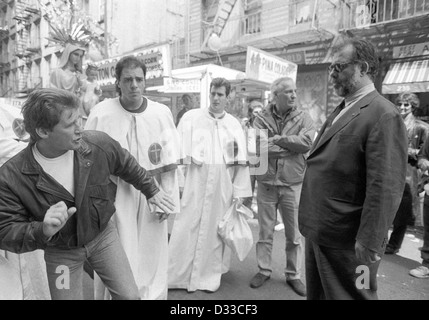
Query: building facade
<point>202,32</point>
<point>27,57</point>
<point>304,31</point>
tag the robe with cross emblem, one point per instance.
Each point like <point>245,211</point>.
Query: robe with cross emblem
<point>152,138</point>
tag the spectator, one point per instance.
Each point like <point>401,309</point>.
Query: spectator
<point>422,271</point>
<point>418,131</point>
<point>255,107</point>
<point>290,135</point>
<point>188,104</point>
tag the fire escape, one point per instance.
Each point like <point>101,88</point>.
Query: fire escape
<point>25,15</point>
<point>217,24</point>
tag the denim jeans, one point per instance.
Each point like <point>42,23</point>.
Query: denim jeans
<point>286,200</point>
<point>105,255</point>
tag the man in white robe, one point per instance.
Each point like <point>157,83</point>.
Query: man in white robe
<point>214,148</point>
<point>23,273</point>
<point>146,129</point>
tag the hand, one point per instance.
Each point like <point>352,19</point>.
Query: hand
<point>412,152</point>
<point>423,164</point>
<point>426,188</point>
<point>56,217</point>
<point>365,255</point>
<point>274,139</point>
<point>239,202</point>
<point>162,201</point>
<point>162,216</point>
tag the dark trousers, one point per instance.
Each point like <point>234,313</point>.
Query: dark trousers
<point>403,218</point>
<point>336,274</point>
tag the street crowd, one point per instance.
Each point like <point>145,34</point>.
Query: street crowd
<point>93,184</point>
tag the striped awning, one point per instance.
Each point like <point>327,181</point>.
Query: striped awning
<point>407,76</point>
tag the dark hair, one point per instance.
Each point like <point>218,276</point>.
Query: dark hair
<point>409,97</point>
<point>128,62</point>
<point>221,82</point>
<point>364,53</point>
<point>43,109</point>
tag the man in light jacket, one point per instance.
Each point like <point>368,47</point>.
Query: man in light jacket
<point>290,135</point>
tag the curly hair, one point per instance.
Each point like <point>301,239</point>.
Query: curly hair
<point>410,98</point>
<point>364,53</point>
<point>44,107</point>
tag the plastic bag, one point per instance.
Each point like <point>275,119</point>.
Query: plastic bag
<point>235,232</point>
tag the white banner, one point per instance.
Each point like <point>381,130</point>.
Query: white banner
<point>157,61</point>
<point>265,67</point>
<point>173,85</point>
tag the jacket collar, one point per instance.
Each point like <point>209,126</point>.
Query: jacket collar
<point>268,115</point>
<point>348,116</point>
<point>82,168</point>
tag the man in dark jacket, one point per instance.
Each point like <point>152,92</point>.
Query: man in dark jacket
<point>354,181</point>
<point>57,196</point>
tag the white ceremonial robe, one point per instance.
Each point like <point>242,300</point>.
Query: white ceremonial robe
<point>30,267</point>
<point>143,237</point>
<point>215,173</point>
<point>11,131</point>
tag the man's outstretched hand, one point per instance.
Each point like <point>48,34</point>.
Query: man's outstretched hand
<point>162,201</point>
<point>56,217</point>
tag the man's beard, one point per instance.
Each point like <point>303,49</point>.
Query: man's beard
<point>346,87</point>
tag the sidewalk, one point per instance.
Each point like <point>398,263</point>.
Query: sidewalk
<point>394,282</point>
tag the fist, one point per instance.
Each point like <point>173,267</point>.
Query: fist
<point>56,217</point>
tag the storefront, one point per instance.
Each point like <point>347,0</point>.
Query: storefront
<point>192,81</point>
<point>195,82</point>
<point>409,72</point>
<point>157,60</point>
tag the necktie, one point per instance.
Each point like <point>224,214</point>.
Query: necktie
<point>334,114</point>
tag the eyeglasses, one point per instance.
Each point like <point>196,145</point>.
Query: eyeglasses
<point>405,104</point>
<point>339,67</point>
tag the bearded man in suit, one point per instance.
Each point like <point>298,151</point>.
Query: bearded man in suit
<point>354,181</point>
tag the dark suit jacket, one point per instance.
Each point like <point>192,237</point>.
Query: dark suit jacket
<point>355,177</point>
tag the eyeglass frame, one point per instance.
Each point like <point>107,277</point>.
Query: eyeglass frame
<point>340,66</point>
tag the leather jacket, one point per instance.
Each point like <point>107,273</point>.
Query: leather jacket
<point>27,192</point>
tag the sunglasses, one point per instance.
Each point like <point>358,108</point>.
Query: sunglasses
<point>339,67</point>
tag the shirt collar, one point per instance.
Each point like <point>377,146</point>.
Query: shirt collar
<point>278,116</point>
<point>359,94</point>
<point>217,115</point>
